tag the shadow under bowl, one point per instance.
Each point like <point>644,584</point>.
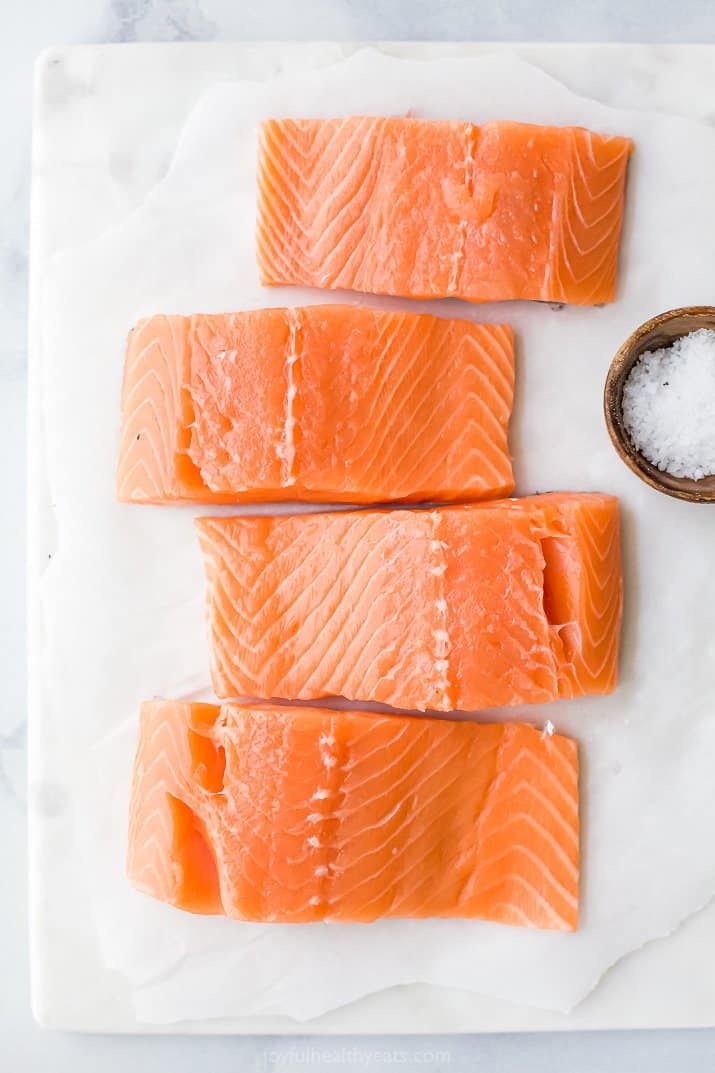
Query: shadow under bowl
<point>660,331</point>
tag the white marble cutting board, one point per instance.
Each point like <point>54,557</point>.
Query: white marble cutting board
<point>104,133</point>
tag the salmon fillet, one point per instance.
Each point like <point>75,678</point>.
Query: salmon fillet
<point>304,814</point>
<point>428,209</point>
<point>331,403</point>
<point>511,602</point>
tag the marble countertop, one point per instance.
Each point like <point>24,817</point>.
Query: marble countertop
<point>32,27</point>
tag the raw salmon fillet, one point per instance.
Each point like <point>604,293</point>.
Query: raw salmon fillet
<point>511,602</point>
<point>428,209</point>
<point>305,814</point>
<point>332,403</point>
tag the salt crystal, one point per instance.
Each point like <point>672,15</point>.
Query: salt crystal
<point>669,406</point>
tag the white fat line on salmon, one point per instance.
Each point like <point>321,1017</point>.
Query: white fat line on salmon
<point>554,234</point>
<point>286,450</point>
<point>440,634</point>
<point>324,870</point>
<point>326,744</point>
<point>457,258</point>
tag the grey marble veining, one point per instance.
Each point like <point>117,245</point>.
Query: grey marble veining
<point>27,29</point>
<point>142,20</point>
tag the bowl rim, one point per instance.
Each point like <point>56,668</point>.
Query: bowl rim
<point>622,362</point>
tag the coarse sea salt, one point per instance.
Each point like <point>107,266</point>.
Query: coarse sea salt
<point>669,405</point>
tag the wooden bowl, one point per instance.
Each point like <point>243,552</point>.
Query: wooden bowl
<point>661,331</point>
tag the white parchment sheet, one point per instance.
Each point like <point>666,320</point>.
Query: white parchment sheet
<point>123,593</point>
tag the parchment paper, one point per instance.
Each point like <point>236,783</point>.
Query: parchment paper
<point>123,594</point>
